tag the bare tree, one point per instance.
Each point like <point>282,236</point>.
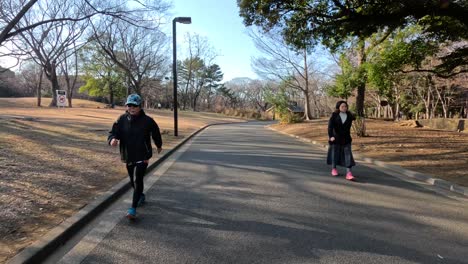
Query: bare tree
<point>49,44</point>
<point>140,52</point>
<point>50,31</point>
<point>257,93</point>
<point>69,71</point>
<point>200,57</point>
<point>282,63</point>
<point>32,76</point>
<point>11,18</point>
<point>251,93</point>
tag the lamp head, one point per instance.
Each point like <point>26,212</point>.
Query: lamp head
<point>183,20</point>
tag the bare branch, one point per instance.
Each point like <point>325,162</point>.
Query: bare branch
<point>4,35</point>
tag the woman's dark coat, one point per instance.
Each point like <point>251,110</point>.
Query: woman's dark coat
<point>341,131</point>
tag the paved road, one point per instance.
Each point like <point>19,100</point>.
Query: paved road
<point>244,194</point>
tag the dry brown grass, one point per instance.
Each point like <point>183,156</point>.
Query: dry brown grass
<point>442,154</point>
<point>54,161</point>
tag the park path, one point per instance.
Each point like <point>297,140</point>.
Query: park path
<point>242,193</point>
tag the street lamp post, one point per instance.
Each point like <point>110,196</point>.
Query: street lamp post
<point>183,20</point>
<point>166,101</point>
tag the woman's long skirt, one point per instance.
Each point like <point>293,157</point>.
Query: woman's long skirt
<point>340,155</point>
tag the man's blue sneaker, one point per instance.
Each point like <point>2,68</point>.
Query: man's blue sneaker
<point>142,199</point>
<point>131,213</point>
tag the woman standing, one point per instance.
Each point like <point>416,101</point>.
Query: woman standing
<point>339,134</point>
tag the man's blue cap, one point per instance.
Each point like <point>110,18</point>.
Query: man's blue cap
<point>134,99</point>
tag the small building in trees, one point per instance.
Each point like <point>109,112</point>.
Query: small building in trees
<point>7,79</point>
<point>6,73</point>
<point>293,108</point>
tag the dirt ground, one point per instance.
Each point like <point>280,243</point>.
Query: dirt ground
<point>54,161</point>
<point>442,154</point>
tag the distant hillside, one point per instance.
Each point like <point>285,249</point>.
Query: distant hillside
<point>240,80</point>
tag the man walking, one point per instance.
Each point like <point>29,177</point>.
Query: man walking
<point>133,132</point>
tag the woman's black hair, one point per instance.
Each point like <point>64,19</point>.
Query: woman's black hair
<point>337,107</point>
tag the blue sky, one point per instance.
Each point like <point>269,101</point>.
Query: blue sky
<point>219,22</point>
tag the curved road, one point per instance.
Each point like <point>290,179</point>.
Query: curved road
<point>241,193</point>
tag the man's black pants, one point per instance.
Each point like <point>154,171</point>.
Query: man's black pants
<point>136,171</point>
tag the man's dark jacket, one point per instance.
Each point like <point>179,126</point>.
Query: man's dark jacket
<point>134,133</point>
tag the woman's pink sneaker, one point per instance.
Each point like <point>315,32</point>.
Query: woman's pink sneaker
<point>349,176</point>
<point>334,172</point>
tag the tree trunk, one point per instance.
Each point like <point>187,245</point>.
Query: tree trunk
<point>208,101</point>
<point>185,96</point>
<point>397,111</point>
<point>69,98</point>
<point>195,99</point>
<point>55,87</point>
<point>307,113</point>
<point>361,88</point>
<point>39,89</point>
<point>138,88</point>
<point>428,102</point>
<point>111,96</point>
<point>185,100</point>
<point>442,101</point>
<point>434,101</point>
<point>360,124</point>
<point>51,75</point>
<point>197,92</point>
<point>396,102</point>
<point>70,90</point>
<point>71,84</point>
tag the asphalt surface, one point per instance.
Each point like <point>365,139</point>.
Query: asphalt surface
<point>241,193</point>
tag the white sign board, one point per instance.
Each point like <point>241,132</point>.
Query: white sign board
<point>61,98</point>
